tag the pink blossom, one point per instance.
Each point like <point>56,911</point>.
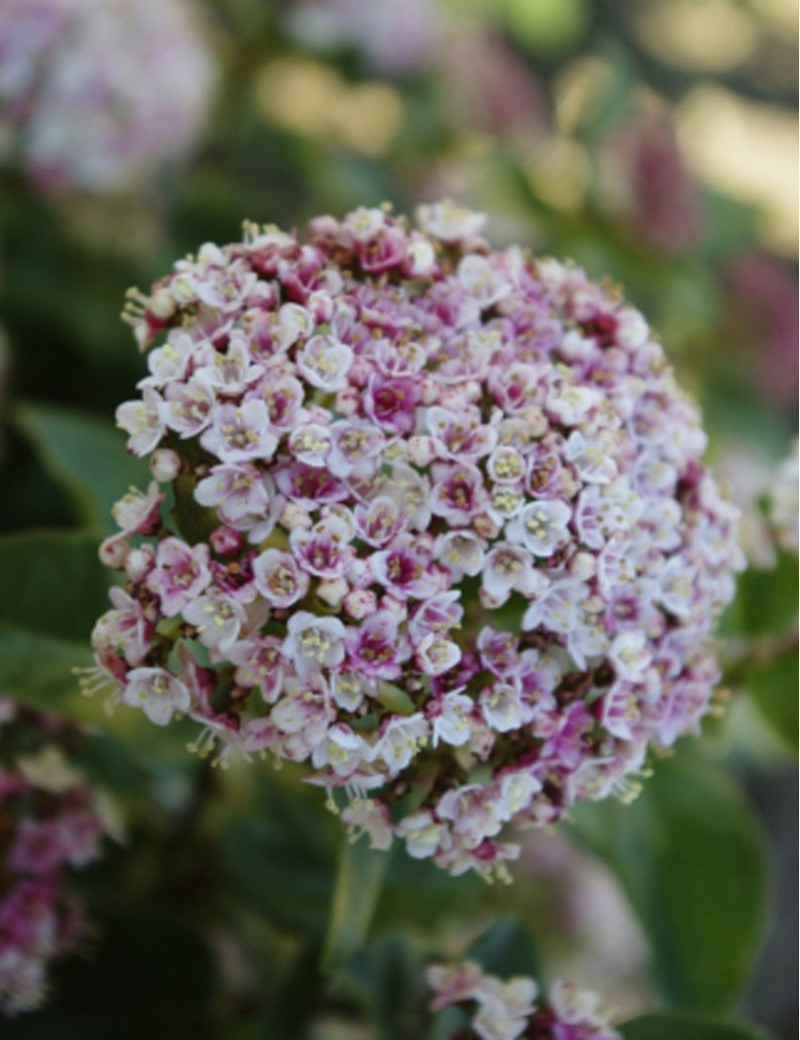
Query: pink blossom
<point>240,432</point>
<point>157,692</point>
<point>180,574</point>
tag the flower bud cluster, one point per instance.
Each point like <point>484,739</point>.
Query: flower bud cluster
<point>95,94</point>
<point>48,823</point>
<point>512,1009</point>
<point>431,519</point>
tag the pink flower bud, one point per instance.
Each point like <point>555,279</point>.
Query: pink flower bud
<point>165,465</point>
<point>360,603</point>
<point>226,541</point>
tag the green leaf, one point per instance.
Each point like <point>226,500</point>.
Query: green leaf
<point>676,1025</point>
<point>689,856</point>
<point>358,885</point>
<point>86,456</point>
<point>297,996</point>
<point>766,600</point>
<point>506,949</point>
<point>279,852</point>
<point>453,1021</point>
<point>52,583</point>
<point>37,671</point>
<point>416,890</point>
<point>773,688</point>
<point>387,980</point>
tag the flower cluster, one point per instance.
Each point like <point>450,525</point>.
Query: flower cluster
<point>427,517</point>
<point>395,36</point>
<point>95,94</point>
<point>49,822</point>
<point>507,1010</point>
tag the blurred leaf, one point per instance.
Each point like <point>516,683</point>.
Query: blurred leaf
<point>36,670</point>
<point>732,225</point>
<point>280,853</point>
<point>84,454</point>
<point>387,980</point>
<point>608,107</point>
<point>547,25</point>
<point>448,1023</point>
<point>359,877</point>
<point>688,854</point>
<point>146,976</point>
<point>766,600</point>
<point>506,949</point>
<point>773,688</point>
<point>418,891</point>
<point>297,997</point>
<point>52,583</point>
<point>675,1025</point>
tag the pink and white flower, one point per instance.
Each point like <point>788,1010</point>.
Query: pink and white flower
<point>157,692</point>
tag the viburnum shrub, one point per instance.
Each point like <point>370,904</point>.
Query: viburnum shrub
<point>427,517</point>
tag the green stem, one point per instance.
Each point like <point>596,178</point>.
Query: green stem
<point>358,886</point>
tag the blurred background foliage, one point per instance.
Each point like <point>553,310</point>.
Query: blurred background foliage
<point>653,142</point>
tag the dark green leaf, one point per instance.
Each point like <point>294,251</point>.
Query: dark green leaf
<point>773,688</point>
<point>37,671</point>
<point>675,1025</point>
<point>52,583</point>
<point>417,890</point>
<point>84,454</point>
<point>280,852</point>
<point>387,979</point>
<point>766,600</point>
<point>296,999</point>
<point>688,854</point>
<point>505,949</point>
<point>447,1024</point>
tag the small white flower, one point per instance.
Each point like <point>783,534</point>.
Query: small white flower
<point>541,526</point>
<point>314,643</point>
<point>157,692</point>
<point>452,724</point>
<point>218,619</point>
<point>401,741</point>
<point>436,654</point>
<point>324,361</point>
<point>450,222</point>
<point>481,280</point>
<point>630,654</point>
<point>143,421</point>
<point>422,834</point>
<point>502,707</point>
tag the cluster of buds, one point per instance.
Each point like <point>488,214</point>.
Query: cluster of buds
<point>426,517</point>
<point>508,1010</point>
<point>49,823</point>
<point>95,94</point>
